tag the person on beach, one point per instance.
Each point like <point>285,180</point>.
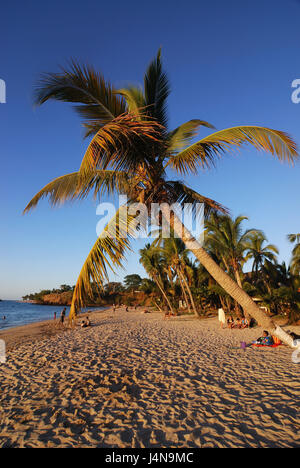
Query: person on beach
<point>54,315</point>
<point>62,316</point>
<point>245,323</point>
<point>88,322</point>
<point>265,340</point>
<point>222,318</point>
<point>230,322</point>
<point>85,323</point>
<point>238,323</point>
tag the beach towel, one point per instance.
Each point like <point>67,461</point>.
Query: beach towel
<point>276,343</point>
<point>266,346</point>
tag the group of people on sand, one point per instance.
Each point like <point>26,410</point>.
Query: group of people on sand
<point>123,305</point>
<point>232,323</point>
<point>239,323</point>
<point>84,323</point>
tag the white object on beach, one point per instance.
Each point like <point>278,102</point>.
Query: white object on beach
<point>222,317</point>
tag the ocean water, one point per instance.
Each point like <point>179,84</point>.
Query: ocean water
<point>20,313</point>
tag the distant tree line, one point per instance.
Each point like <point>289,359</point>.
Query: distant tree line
<point>38,297</point>
<point>177,281</point>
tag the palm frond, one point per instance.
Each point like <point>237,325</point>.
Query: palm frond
<point>73,186</point>
<point>180,193</point>
<point>107,253</point>
<point>182,135</point>
<point>157,90</point>
<point>135,100</point>
<point>295,264</point>
<point>122,144</point>
<point>98,101</point>
<point>205,152</point>
<point>292,238</point>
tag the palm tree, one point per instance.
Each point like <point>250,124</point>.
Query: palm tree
<point>295,262</point>
<point>226,238</point>
<point>176,257</point>
<point>294,238</point>
<point>151,259</point>
<point>258,252</point>
<point>278,288</point>
<point>130,150</point>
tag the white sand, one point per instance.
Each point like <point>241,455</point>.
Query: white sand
<point>135,380</point>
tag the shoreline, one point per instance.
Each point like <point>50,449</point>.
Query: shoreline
<point>36,331</point>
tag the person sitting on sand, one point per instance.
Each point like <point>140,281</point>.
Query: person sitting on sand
<point>245,323</point>
<point>85,323</point>
<point>230,322</point>
<point>265,340</point>
<point>294,336</point>
<point>240,323</point>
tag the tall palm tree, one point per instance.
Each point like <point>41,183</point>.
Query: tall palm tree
<point>258,252</point>
<point>295,262</point>
<point>226,238</point>
<point>151,259</point>
<point>130,150</point>
<point>176,255</point>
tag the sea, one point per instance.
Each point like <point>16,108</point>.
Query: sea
<point>15,314</point>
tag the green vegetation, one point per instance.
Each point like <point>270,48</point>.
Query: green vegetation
<point>38,297</point>
<point>181,284</point>
<point>130,152</point>
<point>176,277</point>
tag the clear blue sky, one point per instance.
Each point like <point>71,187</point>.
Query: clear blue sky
<point>229,62</point>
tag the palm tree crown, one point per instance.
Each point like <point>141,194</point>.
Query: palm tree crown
<point>258,252</point>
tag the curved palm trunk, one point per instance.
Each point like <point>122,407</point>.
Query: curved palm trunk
<point>239,312</point>
<point>238,278</point>
<point>183,290</point>
<point>159,308</point>
<point>190,294</point>
<point>230,286</point>
<point>164,294</point>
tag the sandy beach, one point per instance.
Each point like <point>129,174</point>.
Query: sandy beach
<point>136,380</point>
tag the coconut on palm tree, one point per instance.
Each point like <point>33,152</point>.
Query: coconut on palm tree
<point>130,151</point>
